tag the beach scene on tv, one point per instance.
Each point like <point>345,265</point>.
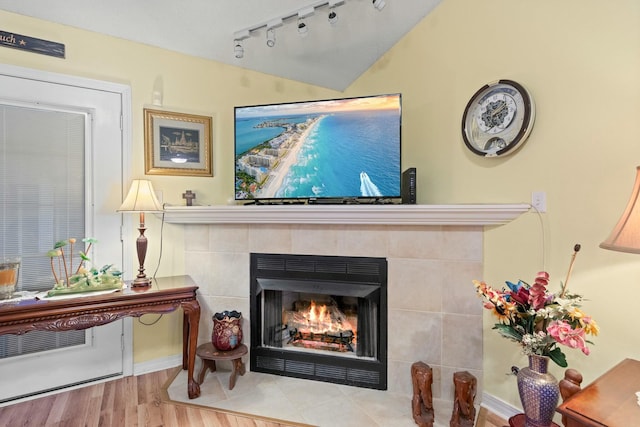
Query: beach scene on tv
<point>336,149</point>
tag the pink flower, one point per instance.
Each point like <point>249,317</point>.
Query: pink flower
<point>562,332</point>
<point>538,292</point>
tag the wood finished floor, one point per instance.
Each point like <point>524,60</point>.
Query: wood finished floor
<point>135,401</point>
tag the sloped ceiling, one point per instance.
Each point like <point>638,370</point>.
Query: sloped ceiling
<point>331,56</point>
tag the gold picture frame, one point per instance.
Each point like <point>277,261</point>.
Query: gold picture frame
<point>177,144</point>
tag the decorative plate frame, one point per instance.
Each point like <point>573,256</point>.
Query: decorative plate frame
<point>177,144</point>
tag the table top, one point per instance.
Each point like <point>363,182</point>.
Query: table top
<point>161,287</point>
<point>608,401</point>
<point>86,310</point>
<point>208,351</point>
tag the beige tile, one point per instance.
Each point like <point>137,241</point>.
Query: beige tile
<point>228,238</point>
<point>265,399</point>
<point>414,335</point>
<point>270,239</point>
<point>305,394</point>
<point>383,405</point>
<point>458,293</point>
<point>415,242</point>
<point>196,237</point>
<point>230,275</point>
<point>462,343</point>
<point>370,241</point>
<point>415,285</point>
<point>338,412</point>
<point>315,240</point>
<point>462,243</point>
<point>399,377</point>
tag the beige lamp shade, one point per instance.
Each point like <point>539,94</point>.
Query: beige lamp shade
<point>141,198</point>
<point>625,237</point>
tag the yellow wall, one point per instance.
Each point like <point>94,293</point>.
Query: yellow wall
<point>580,59</point>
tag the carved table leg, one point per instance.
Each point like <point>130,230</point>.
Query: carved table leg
<point>189,341</point>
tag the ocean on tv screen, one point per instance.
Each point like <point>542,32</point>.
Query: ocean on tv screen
<point>327,153</point>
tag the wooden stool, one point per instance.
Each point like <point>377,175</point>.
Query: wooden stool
<point>209,354</point>
<point>520,420</point>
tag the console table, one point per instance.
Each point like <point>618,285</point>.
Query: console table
<point>163,296</point>
<point>608,401</point>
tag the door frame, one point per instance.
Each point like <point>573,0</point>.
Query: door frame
<point>126,134</point>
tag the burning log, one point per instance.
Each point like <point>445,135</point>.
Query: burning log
<point>343,339</point>
<point>323,326</point>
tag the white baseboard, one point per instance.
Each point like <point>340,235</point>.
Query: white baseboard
<point>499,406</point>
<point>157,364</point>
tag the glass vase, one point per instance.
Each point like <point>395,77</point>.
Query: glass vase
<point>227,330</point>
<point>539,392</point>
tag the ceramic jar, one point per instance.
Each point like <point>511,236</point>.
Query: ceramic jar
<point>227,330</point>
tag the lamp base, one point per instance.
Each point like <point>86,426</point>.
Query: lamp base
<point>141,282</point>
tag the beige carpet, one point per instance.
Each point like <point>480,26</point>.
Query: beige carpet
<point>302,402</point>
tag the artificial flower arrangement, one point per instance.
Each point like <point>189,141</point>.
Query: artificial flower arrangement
<point>538,319</point>
<point>83,279</point>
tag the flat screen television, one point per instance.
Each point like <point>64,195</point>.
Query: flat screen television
<point>337,150</point>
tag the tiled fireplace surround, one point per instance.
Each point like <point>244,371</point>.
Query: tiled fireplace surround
<point>434,315</point>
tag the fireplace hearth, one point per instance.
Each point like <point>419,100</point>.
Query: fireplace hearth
<point>322,318</point>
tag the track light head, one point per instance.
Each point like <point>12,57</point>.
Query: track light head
<point>332,17</point>
<point>238,50</point>
<point>303,29</point>
<point>271,37</point>
<point>379,4</point>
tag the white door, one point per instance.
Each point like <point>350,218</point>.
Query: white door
<point>95,110</point>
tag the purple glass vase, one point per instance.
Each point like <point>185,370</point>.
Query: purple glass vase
<point>539,392</point>
<point>227,330</point>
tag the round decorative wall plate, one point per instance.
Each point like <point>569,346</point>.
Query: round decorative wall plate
<point>498,118</point>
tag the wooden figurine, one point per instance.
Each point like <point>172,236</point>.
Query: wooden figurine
<point>464,412</point>
<point>422,402</point>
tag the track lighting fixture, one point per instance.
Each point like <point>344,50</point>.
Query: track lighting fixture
<point>379,4</point>
<point>238,50</point>
<point>302,26</point>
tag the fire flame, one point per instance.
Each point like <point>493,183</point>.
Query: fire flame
<point>318,314</point>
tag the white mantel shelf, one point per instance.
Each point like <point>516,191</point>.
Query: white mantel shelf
<point>462,214</point>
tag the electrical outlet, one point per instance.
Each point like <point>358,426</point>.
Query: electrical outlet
<point>539,201</point>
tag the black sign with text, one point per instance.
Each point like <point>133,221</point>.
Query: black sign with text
<point>31,44</point>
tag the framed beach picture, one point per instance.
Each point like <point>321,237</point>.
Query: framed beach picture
<point>177,144</point>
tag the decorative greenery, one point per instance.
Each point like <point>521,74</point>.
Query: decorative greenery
<point>83,280</point>
<point>537,319</point>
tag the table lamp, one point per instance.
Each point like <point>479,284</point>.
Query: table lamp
<point>625,236</point>
<point>141,199</point>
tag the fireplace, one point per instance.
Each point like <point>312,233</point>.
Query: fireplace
<point>320,317</point>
